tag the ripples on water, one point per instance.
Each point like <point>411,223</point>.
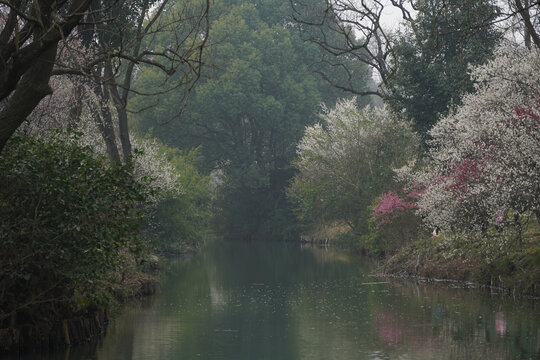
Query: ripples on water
<point>280,302</point>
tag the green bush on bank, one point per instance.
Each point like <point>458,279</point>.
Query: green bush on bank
<point>180,222</point>
<point>70,225</point>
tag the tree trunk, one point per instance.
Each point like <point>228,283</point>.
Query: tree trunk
<point>519,229</point>
<point>529,27</point>
<point>106,127</point>
<point>121,112</point>
<point>33,86</point>
<point>124,133</point>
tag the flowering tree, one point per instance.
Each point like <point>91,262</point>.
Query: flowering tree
<point>484,160</point>
<point>389,206</point>
<point>346,161</point>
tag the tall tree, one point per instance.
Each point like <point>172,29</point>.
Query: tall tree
<point>434,54</point>
<point>159,118</point>
<point>123,45</point>
<point>249,116</point>
<point>257,94</point>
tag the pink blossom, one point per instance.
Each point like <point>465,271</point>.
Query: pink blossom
<point>389,206</point>
<point>500,324</point>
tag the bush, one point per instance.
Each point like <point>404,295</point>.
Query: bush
<point>182,219</point>
<point>393,223</point>
<point>67,217</point>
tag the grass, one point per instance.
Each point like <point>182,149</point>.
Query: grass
<point>491,258</point>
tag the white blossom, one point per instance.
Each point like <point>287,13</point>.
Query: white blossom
<point>53,113</point>
<point>484,158</point>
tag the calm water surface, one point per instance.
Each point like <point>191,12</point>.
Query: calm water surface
<point>275,301</point>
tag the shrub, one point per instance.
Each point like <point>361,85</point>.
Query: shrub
<point>182,219</point>
<point>67,217</point>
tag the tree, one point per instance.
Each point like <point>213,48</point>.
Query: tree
<point>127,42</point>
<point>29,40</point>
<point>360,26</point>
<point>346,161</point>
<point>248,117</point>
<point>159,111</point>
<point>484,158</point>
<point>433,56</point>
<point>105,48</point>
<point>250,107</point>
<point>527,12</point>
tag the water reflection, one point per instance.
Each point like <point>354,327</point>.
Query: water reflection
<point>275,301</point>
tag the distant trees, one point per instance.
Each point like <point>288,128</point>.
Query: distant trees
<point>255,96</point>
<point>346,161</point>
<point>248,117</point>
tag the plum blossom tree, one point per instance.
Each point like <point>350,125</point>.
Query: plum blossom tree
<point>483,166</point>
<point>389,206</point>
<point>346,161</point>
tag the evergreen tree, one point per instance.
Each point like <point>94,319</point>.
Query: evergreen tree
<point>257,94</point>
<point>434,54</point>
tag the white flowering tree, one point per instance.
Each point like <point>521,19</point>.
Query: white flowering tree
<point>345,161</point>
<point>65,109</point>
<point>483,165</point>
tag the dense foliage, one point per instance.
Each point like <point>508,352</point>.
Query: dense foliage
<point>181,220</point>
<point>247,112</point>
<point>70,223</point>
<point>433,55</point>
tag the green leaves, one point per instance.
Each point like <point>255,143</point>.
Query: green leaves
<point>434,55</point>
<point>66,217</point>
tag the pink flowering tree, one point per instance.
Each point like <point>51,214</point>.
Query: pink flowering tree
<point>483,165</point>
<point>389,207</point>
<point>393,221</point>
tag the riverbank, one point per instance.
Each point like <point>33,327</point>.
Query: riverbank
<point>87,322</point>
<point>494,260</point>
<point>79,323</point>
<point>504,260</point>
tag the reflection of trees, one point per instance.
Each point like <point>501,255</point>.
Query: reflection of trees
<point>467,324</point>
<point>283,302</point>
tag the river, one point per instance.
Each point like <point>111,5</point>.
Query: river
<point>286,301</point>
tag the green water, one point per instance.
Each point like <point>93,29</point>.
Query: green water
<point>275,301</point>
